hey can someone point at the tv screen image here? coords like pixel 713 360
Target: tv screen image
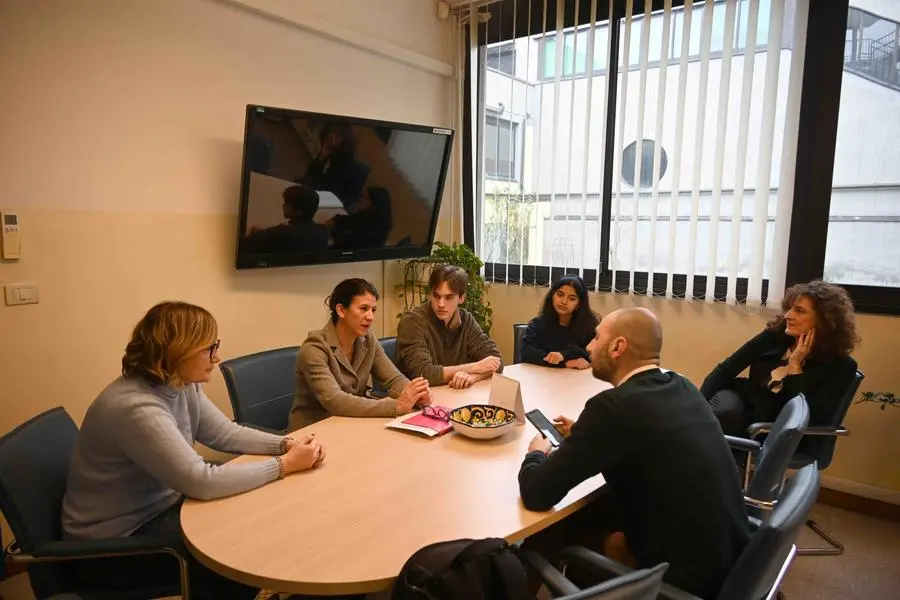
pixel 319 188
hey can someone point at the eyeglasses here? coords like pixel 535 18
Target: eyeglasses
pixel 214 349
pixel 436 413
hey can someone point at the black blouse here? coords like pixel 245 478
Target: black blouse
pixel 541 338
pixel 823 382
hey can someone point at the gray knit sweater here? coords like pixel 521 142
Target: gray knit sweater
pixel 134 457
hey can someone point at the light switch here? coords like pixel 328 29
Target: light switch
pixel 26 292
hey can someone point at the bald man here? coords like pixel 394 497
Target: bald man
pixel 672 492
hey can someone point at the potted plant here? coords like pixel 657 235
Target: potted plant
pixel 883 398
pixel 413 290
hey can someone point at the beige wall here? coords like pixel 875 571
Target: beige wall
pixel 122 123
pixel 121 136
pixel 698 335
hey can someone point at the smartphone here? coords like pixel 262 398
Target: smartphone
pixel 543 424
pixel 377 393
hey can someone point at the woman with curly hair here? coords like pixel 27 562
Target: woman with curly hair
pixel 805 349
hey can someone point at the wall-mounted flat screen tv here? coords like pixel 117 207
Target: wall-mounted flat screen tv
pixel 319 188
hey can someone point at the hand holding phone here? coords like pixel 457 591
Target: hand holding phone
pixel 563 425
pixel 544 426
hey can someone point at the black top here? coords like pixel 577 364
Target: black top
pixel 823 382
pixel 542 337
pixel 670 472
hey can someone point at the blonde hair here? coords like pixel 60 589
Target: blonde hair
pixel 169 333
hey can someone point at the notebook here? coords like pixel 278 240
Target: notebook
pixel 419 423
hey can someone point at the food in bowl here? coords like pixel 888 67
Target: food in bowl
pixel 482 421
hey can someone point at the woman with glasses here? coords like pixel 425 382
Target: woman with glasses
pixel 134 460
pixel 335 362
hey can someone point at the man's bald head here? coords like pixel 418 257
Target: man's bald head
pixel 641 328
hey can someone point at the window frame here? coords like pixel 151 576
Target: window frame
pixel 517 146
pixel 819 110
pixel 503 49
pixel 817 136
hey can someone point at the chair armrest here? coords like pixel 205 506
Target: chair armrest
pixel 670 592
pixel 754 524
pixel 263 428
pixel 593 561
pixel 751 447
pixel 555 581
pixel 83 549
pixel 835 431
pixel 760 504
pixel 758 429
pixel 603 564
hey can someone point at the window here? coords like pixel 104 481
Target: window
pixel 863 243
pixel 501 139
pixel 574 61
pixel 502 58
pixel 566 187
pixel 629 160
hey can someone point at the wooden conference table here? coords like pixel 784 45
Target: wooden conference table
pixel 348 526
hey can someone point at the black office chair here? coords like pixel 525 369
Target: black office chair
pixel 261 388
pixel 642 584
pixel 769 460
pixel 34 469
pixel 817 447
pixel 762 566
pixel 518 333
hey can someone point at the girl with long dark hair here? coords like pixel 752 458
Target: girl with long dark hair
pixel 559 335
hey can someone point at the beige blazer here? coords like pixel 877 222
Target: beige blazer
pixel 329 384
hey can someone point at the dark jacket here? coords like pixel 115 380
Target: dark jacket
pixel 542 337
pixel 670 473
pixel 823 382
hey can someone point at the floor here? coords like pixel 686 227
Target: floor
pixel 869 568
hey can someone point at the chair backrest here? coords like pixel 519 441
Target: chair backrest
pixel 778 449
pixel 758 567
pixel 518 333
pixel 643 584
pixel 261 387
pixel 34 471
pixel 389 344
pixel 821 447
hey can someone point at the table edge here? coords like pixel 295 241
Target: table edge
pixel 371 585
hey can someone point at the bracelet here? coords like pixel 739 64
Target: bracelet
pixel 282 447
pixel 280 467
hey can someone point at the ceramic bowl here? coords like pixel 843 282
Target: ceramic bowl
pixel 482 421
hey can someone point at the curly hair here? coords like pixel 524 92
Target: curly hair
pixel 835 319
pixel 169 333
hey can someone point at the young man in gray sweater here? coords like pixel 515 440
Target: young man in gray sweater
pixel 441 341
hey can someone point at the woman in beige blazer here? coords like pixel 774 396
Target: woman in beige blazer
pixel 335 362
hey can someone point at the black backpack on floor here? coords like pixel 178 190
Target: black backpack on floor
pixel 465 569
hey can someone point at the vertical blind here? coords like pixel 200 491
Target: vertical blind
pixel 656 145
